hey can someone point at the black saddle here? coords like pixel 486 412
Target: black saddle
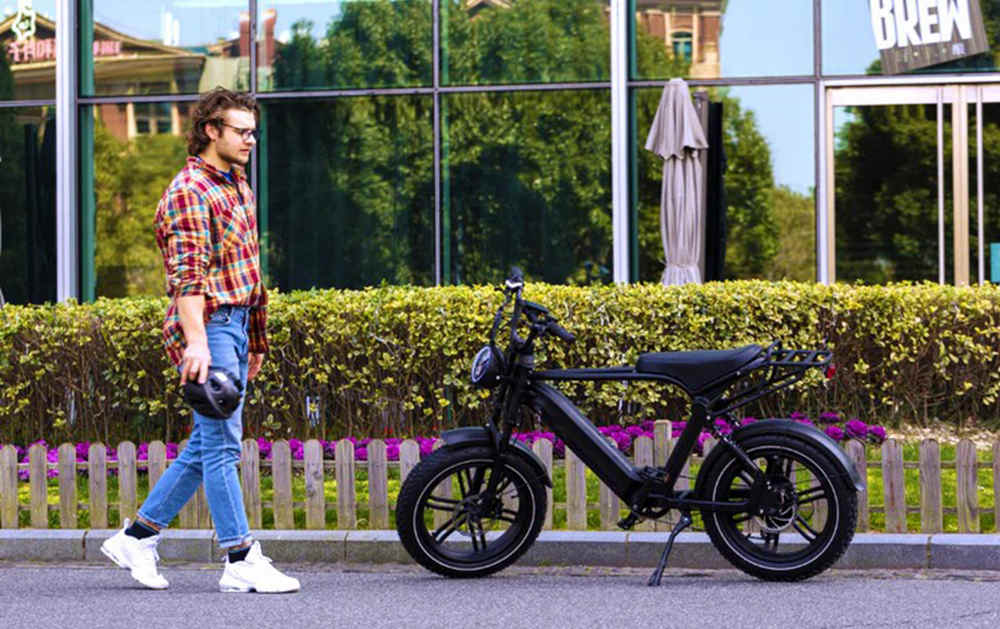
pixel 697 369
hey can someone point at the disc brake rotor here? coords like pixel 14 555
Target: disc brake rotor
pixel 781 516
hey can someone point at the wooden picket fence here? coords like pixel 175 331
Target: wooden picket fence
pixel 344 467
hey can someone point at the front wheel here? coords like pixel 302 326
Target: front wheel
pixel 807 513
pixel 451 524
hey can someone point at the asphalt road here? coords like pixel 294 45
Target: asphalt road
pixel 90 597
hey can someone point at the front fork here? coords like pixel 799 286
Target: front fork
pixel 506 414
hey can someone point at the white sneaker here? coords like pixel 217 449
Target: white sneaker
pixel 255 573
pixel 136 555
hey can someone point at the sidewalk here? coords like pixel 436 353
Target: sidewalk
pixel 605 548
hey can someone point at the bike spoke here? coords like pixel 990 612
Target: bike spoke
pixel 477 534
pixel 449 527
pixel 770 541
pixel 811 494
pixel 464 483
pixel 808 533
pixel 743 517
pixel 441 504
pixel 508 515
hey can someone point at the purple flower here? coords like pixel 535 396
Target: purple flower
pixel 361 454
pixel 835 433
pixel 634 431
pixel 876 434
pixel 624 441
pixel 559 448
pixel 828 417
pixel 856 428
pixel 264 447
pixel 647 425
pixel 798 416
pixel 392 452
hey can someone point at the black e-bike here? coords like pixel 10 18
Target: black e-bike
pixel 778 498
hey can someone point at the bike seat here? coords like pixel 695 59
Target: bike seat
pixel 697 369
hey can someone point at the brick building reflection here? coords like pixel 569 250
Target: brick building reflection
pixel 128 66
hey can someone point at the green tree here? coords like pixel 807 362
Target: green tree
pixel 130 177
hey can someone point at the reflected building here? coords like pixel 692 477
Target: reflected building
pixel 124 65
pixel 689 29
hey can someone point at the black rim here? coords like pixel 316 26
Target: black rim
pixel 456 520
pixel 799 514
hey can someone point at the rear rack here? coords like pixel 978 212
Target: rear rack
pixel 778 369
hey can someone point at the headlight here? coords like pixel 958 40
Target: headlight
pixel 487 367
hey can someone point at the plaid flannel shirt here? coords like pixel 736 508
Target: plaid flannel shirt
pixel 224 264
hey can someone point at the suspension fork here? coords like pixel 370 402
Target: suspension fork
pixel 508 421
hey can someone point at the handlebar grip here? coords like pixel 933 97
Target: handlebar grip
pixel 561 332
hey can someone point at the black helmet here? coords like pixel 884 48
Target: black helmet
pixel 218 397
pixel 487 367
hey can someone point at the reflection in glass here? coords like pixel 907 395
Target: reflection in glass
pixel 991 195
pixel 167 47
pixel 27 205
pixel 27 49
pixel 768 223
pixel 849 41
pixel 709 39
pixel 361 43
pixel 524 41
pixel 138 149
pixel 527 183
pixel 348 190
pixel 885 165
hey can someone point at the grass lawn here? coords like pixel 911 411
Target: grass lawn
pixel 911 476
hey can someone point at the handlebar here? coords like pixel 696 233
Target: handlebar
pixel 541 321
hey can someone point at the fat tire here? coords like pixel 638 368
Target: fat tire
pixel 428 471
pixel 844 492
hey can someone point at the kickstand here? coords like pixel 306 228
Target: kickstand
pixel 682 524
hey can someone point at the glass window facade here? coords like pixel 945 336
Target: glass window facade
pixel 711 39
pixel 344 45
pixel 763 225
pixel 528 183
pixel 347 191
pixel 164 47
pixel 850 46
pixel 27 50
pixel 27 205
pixel 524 41
pixel 137 149
pixel 441 141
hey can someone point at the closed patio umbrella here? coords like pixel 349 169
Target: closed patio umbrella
pixel 677 136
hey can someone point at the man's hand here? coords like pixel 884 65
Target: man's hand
pixel 195 362
pixel 254 363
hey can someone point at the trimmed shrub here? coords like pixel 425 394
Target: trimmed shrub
pixel 393 361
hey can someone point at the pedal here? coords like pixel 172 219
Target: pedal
pixel 628 521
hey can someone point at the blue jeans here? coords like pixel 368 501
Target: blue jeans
pixel 213 450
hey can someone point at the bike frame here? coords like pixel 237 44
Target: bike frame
pixel 649 491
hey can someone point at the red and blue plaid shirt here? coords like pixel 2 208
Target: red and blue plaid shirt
pixel 222 264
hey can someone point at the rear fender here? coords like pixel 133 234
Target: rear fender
pixel 480 436
pixel 796 430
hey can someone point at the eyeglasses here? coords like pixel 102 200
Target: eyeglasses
pixel 245 132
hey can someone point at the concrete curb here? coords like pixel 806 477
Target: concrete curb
pixel 869 551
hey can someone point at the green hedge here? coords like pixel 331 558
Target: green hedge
pixel 394 360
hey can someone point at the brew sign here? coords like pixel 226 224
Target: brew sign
pixel 913 34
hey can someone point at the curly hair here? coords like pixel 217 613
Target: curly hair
pixel 209 110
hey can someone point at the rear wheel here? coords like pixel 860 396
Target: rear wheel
pixel 807 514
pixel 450 524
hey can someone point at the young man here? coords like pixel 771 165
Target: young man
pixel 206 229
